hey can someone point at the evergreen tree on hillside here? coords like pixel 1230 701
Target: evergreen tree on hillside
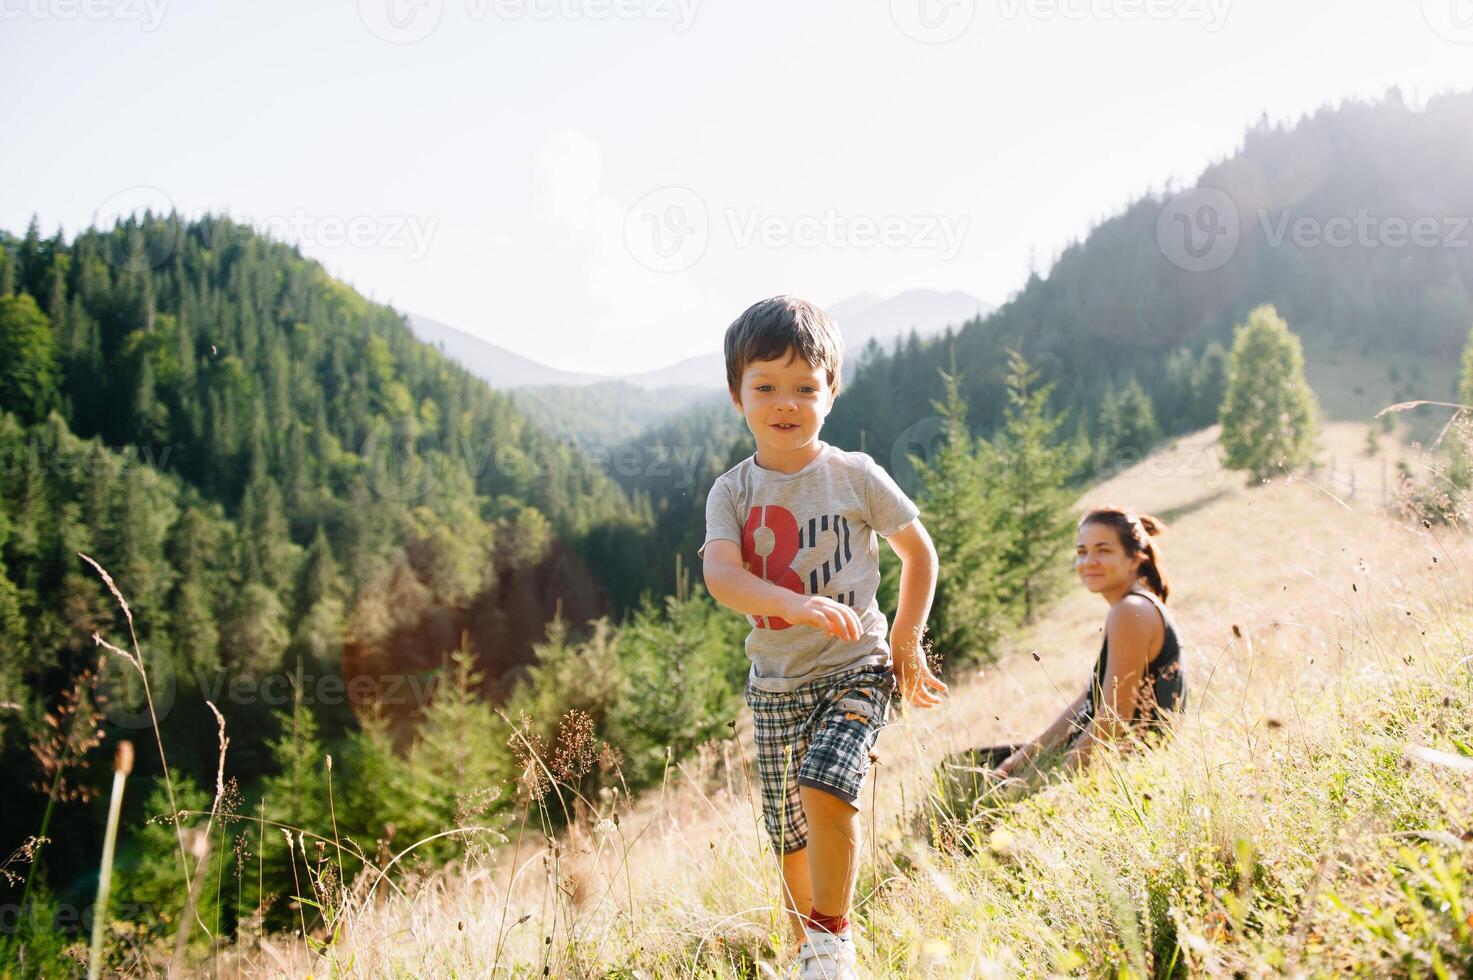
pixel 682 670
pixel 28 370
pixel 1269 413
pixel 457 764
pixel 296 794
pixel 1033 469
pixel 7 272
pixel 1127 425
pixel 1209 386
pixel 962 512
pixel 150 882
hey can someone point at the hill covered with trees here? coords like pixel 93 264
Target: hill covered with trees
pixel 1354 223
pixel 279 477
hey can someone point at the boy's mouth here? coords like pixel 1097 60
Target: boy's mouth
pixel 784 426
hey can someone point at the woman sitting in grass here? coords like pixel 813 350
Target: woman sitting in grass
pixel 1138 675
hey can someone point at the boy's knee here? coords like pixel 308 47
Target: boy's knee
pixel 822 800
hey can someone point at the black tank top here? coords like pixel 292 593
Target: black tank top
pixel 1163 687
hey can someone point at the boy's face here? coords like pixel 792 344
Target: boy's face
pixel 785 401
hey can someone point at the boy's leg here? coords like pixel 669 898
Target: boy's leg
pixel 781 742
pixel 856 708
pixel 797 891
pixel 833 850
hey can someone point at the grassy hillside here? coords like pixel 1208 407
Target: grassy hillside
pixel 1311 815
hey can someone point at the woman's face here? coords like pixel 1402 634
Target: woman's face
pixel 1100 559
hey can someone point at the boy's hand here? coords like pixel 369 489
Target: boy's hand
pixel 834 618
pixel 916 682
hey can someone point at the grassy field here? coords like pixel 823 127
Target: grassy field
pixel 1312 816
pixel 1353 387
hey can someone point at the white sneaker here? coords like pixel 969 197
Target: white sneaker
pixel 828 957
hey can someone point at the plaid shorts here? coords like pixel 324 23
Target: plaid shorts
pixel 819 735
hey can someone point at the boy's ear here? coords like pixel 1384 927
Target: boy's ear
pixel 736 401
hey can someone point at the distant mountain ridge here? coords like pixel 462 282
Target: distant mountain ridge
pixel 861 318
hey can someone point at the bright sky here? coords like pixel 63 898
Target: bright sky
pixel 603 185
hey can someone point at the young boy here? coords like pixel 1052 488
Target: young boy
pixel 790 542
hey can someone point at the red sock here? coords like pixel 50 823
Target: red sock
pixel 829 923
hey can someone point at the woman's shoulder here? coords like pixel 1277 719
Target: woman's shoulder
pixel 1135 614
pixel 1136 606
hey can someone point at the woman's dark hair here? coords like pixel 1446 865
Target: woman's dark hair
pixel 1135 532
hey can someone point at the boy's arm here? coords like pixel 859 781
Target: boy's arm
pixel 736 588
pixel 918 571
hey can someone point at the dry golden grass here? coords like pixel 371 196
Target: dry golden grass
pixel 1324 641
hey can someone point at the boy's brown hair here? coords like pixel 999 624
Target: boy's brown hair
pixel 772 327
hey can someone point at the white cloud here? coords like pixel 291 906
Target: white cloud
pixel 566 289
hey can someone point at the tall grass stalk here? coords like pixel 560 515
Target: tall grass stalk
pixel 122 766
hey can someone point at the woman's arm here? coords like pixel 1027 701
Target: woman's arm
pixel 1061 728
pixel 1131 631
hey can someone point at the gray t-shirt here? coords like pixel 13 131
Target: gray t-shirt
pixel 813 532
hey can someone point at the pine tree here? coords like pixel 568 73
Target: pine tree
pixel 295 797
pixel 1127 424
pixel 961 516
pixel 1209 385
pixel 1269 413
pixel 457 759
pixel 1033 468
pixel 254 636
pixel 28 368
pixel 150 887
pixel 297 793
pixel 7 272
pixel 377 782
pixel 680 666
pixel 269 555
pixel 150 417
pixel 567 674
